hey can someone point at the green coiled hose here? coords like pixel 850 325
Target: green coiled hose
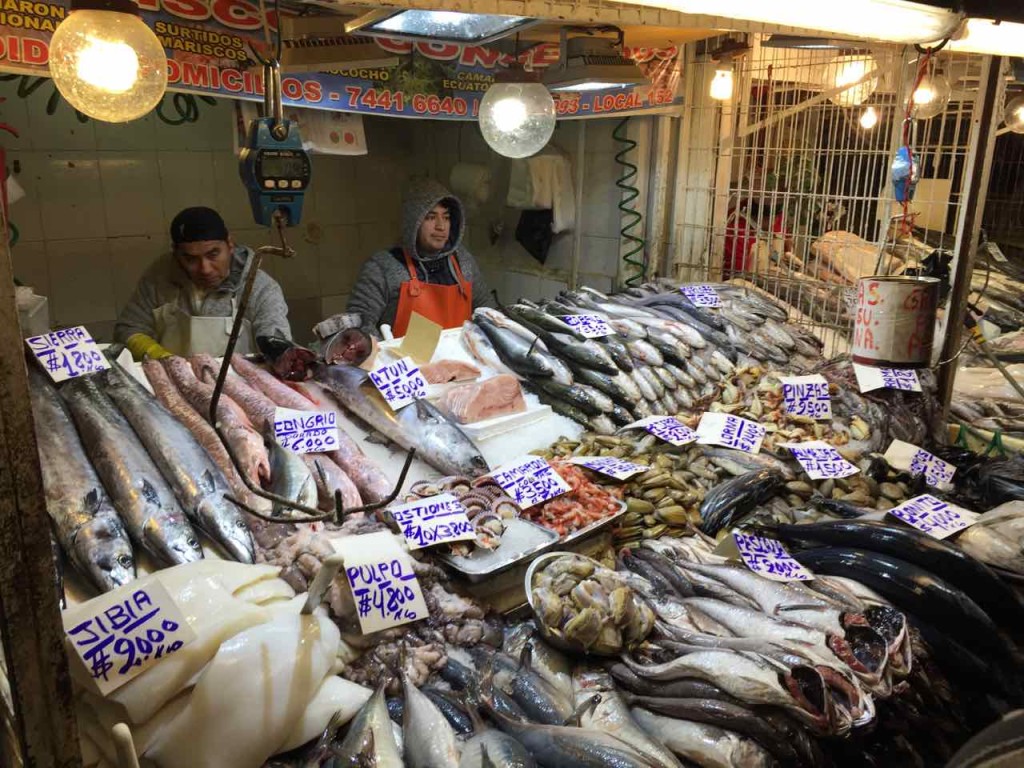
pixel 635 245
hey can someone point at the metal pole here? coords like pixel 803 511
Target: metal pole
pixel 972 207
pixel 577 237
pixel 30 624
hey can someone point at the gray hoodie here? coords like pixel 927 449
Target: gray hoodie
pixel 166 282
pixel 375 293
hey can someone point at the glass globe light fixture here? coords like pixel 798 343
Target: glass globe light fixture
pixel 721 83
pixel 868 118
pixel 931 96
pixel 517 114
pixel 1013 115
pixel 846 70
pixel 106 62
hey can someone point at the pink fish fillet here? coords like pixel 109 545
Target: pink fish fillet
pixel 172 399
pixel 260 410
pixel 245 441
pixel 372 484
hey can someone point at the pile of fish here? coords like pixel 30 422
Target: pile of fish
pixel 664 356
pixel 123 476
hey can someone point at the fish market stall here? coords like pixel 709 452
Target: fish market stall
pixel 704 544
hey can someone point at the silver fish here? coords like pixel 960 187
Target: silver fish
pixel 522 355
pixel 501 320
pixel 644 385
pixel 144 501
pixel 611 715
pixel 654 381
pixel 645 353
pixel 610 385
pixel 666 378
pixel 370 742
pixel 290 476
pixel 428 738
pixel 704 744
pixel 602 425
pixel 437 441
pixel 495 749
pixel 480 347
pixel 197 482
pixel 85 521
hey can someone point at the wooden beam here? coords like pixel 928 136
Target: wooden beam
pixel 30 623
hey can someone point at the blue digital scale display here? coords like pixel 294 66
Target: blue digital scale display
pixel 276 171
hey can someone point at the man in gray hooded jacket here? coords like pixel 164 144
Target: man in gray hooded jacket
pixel 186 302
pixel 430 272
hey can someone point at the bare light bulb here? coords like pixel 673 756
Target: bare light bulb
pixel 721 84
pixel 868 119
pixel 1013 115
pixel 847 70
pixel 517 115
pixel 931 96
pixel 107 63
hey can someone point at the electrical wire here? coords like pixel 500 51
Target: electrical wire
pixel 635 244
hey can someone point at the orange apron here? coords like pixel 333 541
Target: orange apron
pixel 447 305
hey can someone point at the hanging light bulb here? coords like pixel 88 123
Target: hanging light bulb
pixel 846 70
pixel 931 96
pixel 517 114
pixel 868 119
pixel 1013 115
pixel 106 62
pixel 721 84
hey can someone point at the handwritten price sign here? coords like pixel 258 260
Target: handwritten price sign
pixel 702 295
pixel 807 396
pixel 386 591
pixel 434 520
pixel 306 431
pixel 610 466
pixel 399 383
pixel 667 428
pixel 590 326
pixel 870 378
pixel 730 431
pixel 67 354
pixel 530 481
pixel 119 635
pixel 821 460
pixel 769 558
pixel 917 461
pixel 934 516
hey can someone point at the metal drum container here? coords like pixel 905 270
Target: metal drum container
pixel 895 322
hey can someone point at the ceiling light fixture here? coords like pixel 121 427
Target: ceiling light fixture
pixel 868 118
pixel 931 96
pixel 589 63
pixel 1013 115
pixel 721 83
pixel 465 28
pixel 998 38
pixel 517 114
pixel 106 62
pixel 892 20
pixel 851 71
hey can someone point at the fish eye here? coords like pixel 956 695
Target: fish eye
pixel 193 542
pixel 124 561
pixel 241 525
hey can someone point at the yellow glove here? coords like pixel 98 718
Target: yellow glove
pixel 142 346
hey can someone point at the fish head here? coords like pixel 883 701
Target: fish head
pixel 105 554
pixel 227 527
pixel 172 540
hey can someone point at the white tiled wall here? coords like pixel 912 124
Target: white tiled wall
pixel 100 198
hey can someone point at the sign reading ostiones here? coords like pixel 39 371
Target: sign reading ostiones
pixel 433 520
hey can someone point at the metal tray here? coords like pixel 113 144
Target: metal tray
pixel 499 563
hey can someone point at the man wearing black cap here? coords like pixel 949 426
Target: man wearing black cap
pixel 186 302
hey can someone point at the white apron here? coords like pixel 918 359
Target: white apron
pixel 185 334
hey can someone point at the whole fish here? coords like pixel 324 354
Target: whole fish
pixel 200 428
pixel 556 746
pixel 588 399
pixel 587 352
pixel 495 749
pixel 501 320
pixel 602 425
pixel 771 597
pixel 686 688
pixel 738 462
pixel 521 355
pixel 622 416
pixel 563 408
pixel 548 662
pixel 145 503
pixel 540 700
pixel 197 482
pixel 84 519
pixel 479 346
pixel 290 476
pixel 370 742
pixel 542 320
pixel 611 715
pixel 729 501
pixel 666 378
pixel 997 538
pixel 936 555
pixel 645 353
pixel 451 708
pixel 428 739
pixel 655 383
pixel 671 347
pixel 238 431
pixel 618 351
pixel 916 591
pixel 681 376
pixel 613 386
pixel 644 385
pixel 704 744
pixel 437 441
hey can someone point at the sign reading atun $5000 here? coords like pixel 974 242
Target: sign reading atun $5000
pixel 208 46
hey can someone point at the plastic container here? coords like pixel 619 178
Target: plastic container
pixel 895 321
